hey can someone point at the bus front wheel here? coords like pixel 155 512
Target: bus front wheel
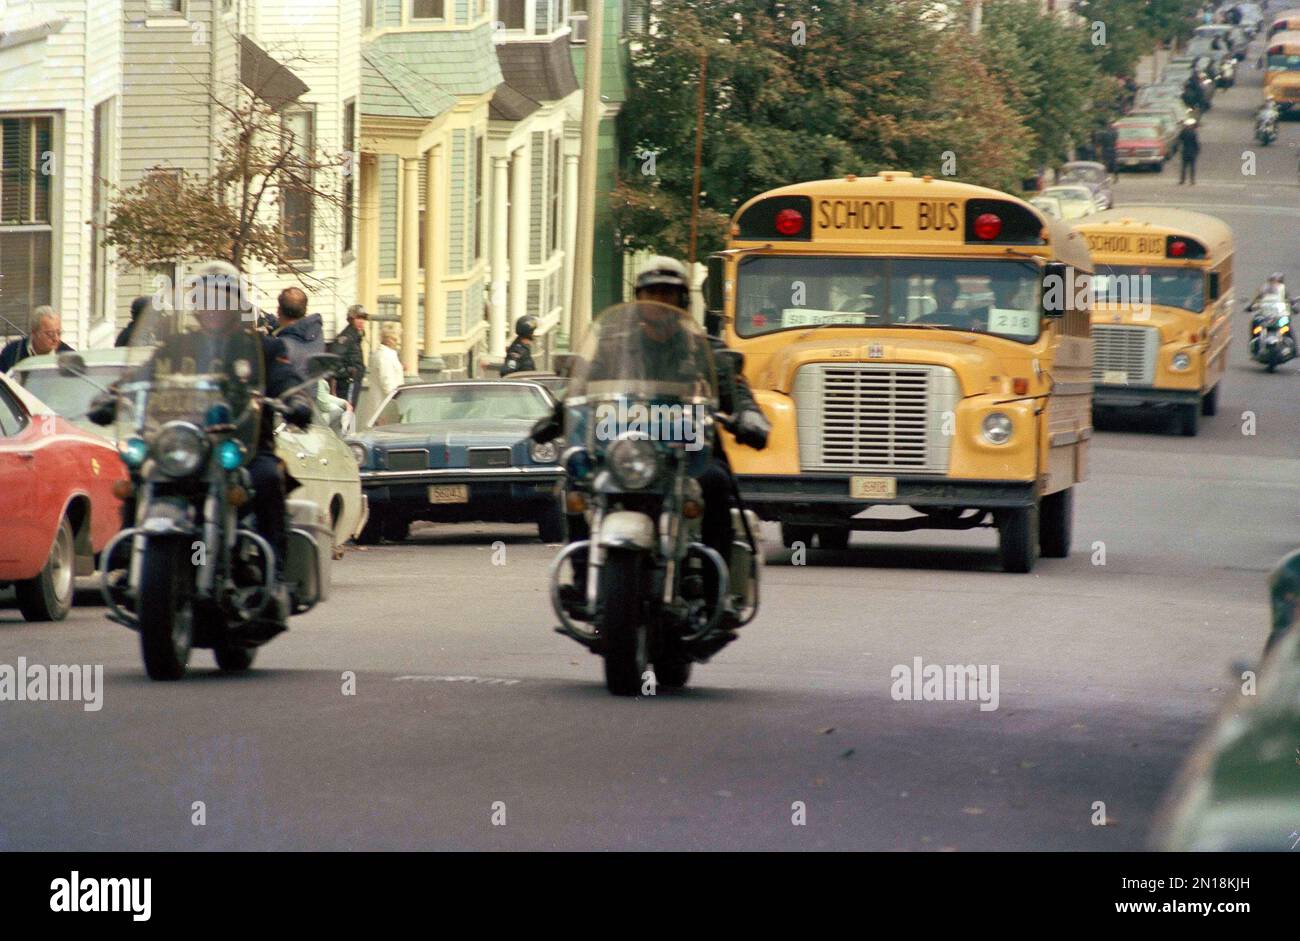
pixel 1055 523
pixel 1018 538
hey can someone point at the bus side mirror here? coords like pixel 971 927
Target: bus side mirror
pixel 1214 286
pixel 714 298
pixel 1056 287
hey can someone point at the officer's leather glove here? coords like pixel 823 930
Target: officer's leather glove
pixel 102 409
pixel 752 429
pixel 299 414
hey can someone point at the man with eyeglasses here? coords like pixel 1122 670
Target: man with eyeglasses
pixel 46 329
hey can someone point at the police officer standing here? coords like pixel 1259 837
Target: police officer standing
pixel 519 355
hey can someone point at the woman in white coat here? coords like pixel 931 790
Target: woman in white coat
pixel 386 366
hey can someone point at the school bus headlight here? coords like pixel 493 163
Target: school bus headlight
pixel 1181 361
pixel 997 428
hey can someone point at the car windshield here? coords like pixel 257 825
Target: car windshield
pixel 1084 175
pixel 1001 298
pixel 1138 132
pixel 1142 285
pixel 68 396
pixel 468 402
pixel 1071 195
pixel 1289 62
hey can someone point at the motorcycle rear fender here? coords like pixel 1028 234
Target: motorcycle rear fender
pixel 625 529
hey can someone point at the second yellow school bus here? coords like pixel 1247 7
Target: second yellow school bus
pixel 1282 70
pixel 1162 311
pixel 898 336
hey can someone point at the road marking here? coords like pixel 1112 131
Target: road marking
pixel 477 680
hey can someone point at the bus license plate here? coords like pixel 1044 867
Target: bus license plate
pixel 1114 377
pixel 449 493
pixel 873 488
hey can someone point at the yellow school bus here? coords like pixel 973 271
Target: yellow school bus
pixel 1286 21
pixel 1282 69
pixel 1162 309
pixel 898 335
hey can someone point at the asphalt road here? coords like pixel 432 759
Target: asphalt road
pixel 464 698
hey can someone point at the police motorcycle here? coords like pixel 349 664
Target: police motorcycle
pixel 1272 340
pixel 641 418
pixel 1266 124
pixel 191 572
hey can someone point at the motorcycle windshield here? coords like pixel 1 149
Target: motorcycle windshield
pixel 644 350
pixel 1273 311
pixel 208 376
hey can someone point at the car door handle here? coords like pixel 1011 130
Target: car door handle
pixel 26 455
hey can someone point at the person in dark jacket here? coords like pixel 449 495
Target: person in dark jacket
pixel 303 334
pixel 347 346
pixel 45 335
pixel 140 331
pixel 1190 146
pixel 519 355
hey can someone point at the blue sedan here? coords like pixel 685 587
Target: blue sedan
pixel 460 452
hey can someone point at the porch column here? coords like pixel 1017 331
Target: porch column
pixel 435 314
pixel 570 240
pixel 500 254
pixel 368 246
pixel 410 267
pixel 521 199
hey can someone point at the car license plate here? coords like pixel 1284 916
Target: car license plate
pixel 449 493
pixel 1114 377
pixel 873 488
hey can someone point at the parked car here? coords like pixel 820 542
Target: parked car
pixel 57 506
pixel 1048 205
pixel 1148 95
pixel 1092 175
pixel 460 452
pixel 1077 200
pixel 1168 120
pixel 1141 143
pixel 1179 73
pixel 317 456
pixel 552 382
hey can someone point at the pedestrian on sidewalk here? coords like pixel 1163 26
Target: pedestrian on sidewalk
pixel 386 364
pixel 1190 145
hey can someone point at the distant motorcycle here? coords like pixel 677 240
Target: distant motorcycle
pixel 1266 128
pixel 1272 341
pixel 646 588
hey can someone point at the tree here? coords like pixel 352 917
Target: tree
pixel 234 214
pixel 801 91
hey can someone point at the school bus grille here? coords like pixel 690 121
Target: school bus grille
pixel 1120 348
pixel 875 418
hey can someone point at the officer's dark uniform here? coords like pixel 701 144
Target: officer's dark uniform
pixel 519 358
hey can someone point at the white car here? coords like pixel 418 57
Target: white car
pixel 1076 201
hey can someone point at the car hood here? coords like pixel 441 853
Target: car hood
pixel 450 443
pixel 1141 142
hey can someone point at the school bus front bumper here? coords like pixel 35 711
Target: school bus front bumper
pixel 1116 396
pixel 783 496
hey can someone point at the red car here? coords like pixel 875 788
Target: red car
pixel 57 507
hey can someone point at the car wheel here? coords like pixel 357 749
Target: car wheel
pixel 372 532
pixel 396 529
pixel 48 596
pixel 792 533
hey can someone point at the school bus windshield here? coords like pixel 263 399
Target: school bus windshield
pixel 999 298
pixel 1142 285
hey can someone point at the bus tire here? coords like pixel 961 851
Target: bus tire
pixel 1189 420
pixel 792 533
pixel 1210 404
pixel 1018 538
pixel 1056 524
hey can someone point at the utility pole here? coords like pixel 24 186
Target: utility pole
pixel 976 16
pixel 699 163
pixel 585 239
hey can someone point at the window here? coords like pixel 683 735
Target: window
pixel 167 6
pixel 511 13
pixel 296 185
pixel 26 256
pixel 554 233
pixel 350 177
pixel 478 198
pixel 368 14
pixel 100 170
pixel 13 417
pixel 577 6
pixel 427 9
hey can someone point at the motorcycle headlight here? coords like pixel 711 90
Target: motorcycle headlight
pixel 358 453
pixel 997 428
pixel 180 449
pixel 634 462
pixel 547 453
pixel 231 453
pixel 1181 361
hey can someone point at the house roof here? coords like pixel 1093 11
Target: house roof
pixel 510 105
pixel 542 70
pixel 390 89
pixel 459 62
pixel 266 78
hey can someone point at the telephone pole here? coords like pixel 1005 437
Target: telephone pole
pixel 585 239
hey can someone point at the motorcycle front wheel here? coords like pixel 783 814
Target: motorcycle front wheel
pixel 166 609
pixel 621 624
